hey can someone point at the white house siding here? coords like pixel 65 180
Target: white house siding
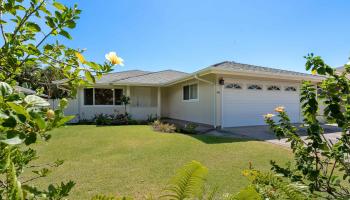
pixel 201 111
pixel 88 112
pixel 72 108
pixel 143 102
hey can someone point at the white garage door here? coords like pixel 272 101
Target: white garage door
pixel 244 104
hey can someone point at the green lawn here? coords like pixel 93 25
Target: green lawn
pixel 134 160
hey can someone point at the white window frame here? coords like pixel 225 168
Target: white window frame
pixel 93 97
pixel 182 92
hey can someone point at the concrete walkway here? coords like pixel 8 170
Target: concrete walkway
pixel 265 134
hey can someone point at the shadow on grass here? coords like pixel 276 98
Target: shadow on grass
pixel 211 139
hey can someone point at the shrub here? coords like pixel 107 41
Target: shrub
pixel 163 127
pixel 103 119
pixel 151 118
pixel 190 128
pixel 320 164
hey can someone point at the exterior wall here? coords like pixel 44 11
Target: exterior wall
pixel 143 102
pixel 72 109
pixel 200 111
pixel 88 112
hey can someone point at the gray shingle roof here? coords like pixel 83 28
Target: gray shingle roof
pixel 116 76
pixel 152 78
pixel 27 91
pixel 239 67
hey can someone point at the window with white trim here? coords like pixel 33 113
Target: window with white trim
pixel 273 88
pixel 190 92
pixel 89 96
pixel 234 86
pixel 290 89
pixel 102 96
pixel 254 87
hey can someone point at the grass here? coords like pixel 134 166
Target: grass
pixel 135 161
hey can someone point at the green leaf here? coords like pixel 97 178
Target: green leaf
pixel 36 101
pixel 89 76
pixel 33 26
pixel 18 109
pixel 15 190
pixel 3 115
pixel 64 120
pixel 50 22
pixel 94 66
pixel 65 34
pixel 10 122
pixel 30 139
pixel 188 182
pixel 249 193
pixel 38 119
pixel 5 89
pixel 71 24
pixel 12 141
pixel 59 6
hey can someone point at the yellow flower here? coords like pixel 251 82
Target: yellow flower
pixel 269 116
pixel 279 109
pixel 245 173
pixel 80 57
pixel 114 59
pixel 313 72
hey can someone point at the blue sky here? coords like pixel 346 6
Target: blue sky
pixel 188 35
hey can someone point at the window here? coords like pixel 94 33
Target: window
pixel 190 92
pixel 118 94
pixel 290 89
pixel 100 96
pixel 234 86
pixel 103 96
pixel 88 96
pixel 273 88
pixel 254 87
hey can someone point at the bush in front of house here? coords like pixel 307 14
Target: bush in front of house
pixel 163 127
pixel 189 128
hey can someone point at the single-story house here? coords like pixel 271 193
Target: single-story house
pixel 225 94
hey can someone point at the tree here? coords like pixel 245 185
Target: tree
pixel 25 27
pixel 320 164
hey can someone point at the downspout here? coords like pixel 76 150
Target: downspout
pixel 214 104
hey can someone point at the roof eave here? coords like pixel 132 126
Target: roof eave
pixel 267 74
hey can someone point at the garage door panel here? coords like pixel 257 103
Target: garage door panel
pixel 245 107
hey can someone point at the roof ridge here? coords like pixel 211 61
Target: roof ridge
pixel 130 70
pixel 173 70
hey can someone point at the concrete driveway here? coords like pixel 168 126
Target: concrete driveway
pixel 265 134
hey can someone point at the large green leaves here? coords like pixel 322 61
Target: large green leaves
pixel 15 189
pixel 12 141
pixel 33 27
pixel 34 100
pixel 188 182
pixel 5 89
